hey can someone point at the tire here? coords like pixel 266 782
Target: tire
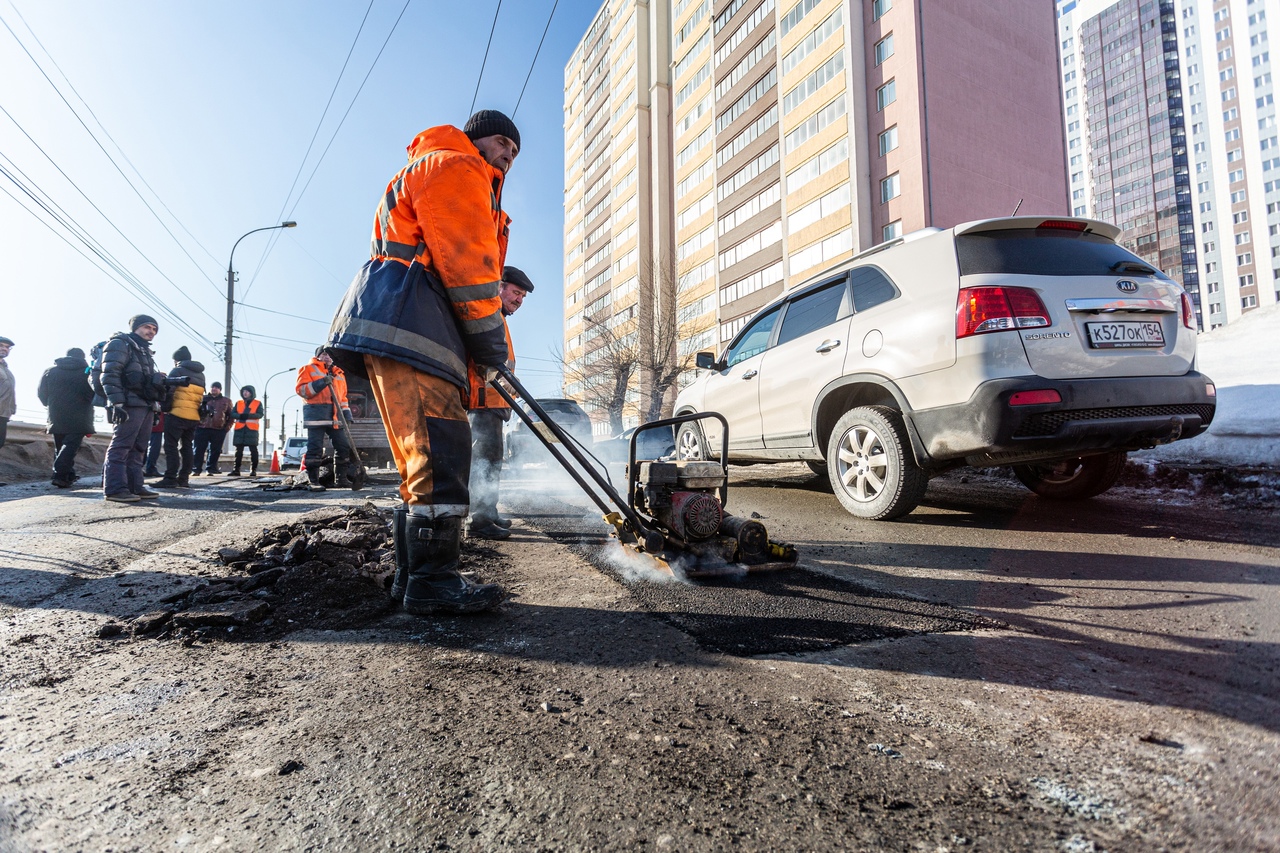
pixel 1074 479
pixel 817 467
pixel 690 445
pixel 871 467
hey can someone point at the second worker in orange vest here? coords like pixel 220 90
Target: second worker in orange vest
pixel 245 414
pixel 487 413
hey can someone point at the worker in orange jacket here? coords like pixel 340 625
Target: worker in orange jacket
pixel 326 412
pixel 487 412
pixel 426 300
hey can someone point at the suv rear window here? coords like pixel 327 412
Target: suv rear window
pixel 1045 251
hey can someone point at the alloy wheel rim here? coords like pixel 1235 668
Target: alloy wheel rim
pixel 689 447
pixel 862 464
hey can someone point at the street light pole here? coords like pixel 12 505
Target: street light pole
pixel 231 299
pixel 266 412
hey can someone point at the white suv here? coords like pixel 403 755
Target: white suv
pixel 1025 341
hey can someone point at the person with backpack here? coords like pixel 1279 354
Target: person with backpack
pixel 215 420
pixel 182 416
pixel 65 390
pixel 128 381
pixel 246 413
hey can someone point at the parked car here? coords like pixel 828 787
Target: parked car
pixel 1025 341
pixel 294 449
pixel 522 445
pixel 653 444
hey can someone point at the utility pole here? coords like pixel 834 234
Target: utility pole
pixel 231 301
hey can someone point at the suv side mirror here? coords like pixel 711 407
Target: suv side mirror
pixel 705 361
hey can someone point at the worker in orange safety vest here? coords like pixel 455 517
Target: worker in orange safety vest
pixel 326 412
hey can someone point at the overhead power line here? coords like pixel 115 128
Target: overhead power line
pixel 107 133
pixel 106 153
pixel 535 58
pixel 485 61
pixel 275 237
pixel 131 287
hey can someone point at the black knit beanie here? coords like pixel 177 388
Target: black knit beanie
pixel 75 352
pixel 141 320
pixel 182 354
pixel 516 276
pixel 491 123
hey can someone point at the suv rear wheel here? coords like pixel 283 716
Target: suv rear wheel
pixel 870 465
pixel 690 445
pixel 1072 479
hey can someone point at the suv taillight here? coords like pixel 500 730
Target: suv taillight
pixel 1188 312
pixel 996 309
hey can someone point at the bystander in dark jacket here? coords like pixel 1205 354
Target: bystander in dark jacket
pixel 212 431
pixel 65 390
pixel 8 396
pixel 132 387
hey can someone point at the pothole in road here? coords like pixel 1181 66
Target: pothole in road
pixel 790 611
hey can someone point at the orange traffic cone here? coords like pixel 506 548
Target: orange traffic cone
pixel 302 466
pixel 275 462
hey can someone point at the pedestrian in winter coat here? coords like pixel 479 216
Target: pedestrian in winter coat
pixel 8 395
pixel 182 416
pixel 212 431
pixel 425 301
pixel 65 390
pixel 246 414
pixel 154 448
pixel 325 412
pixel 133 388
pixel 487 411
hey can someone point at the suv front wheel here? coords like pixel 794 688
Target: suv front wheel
pixel 870 465
pixel 1072 479
pixel 690 445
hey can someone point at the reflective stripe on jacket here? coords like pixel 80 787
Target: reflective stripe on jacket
pixel 428 296
pixel 251 410
pixel 319 409
pixel 482 396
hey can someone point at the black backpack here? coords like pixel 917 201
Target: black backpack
pixel 95 374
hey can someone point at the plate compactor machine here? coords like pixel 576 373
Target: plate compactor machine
pixel 673 514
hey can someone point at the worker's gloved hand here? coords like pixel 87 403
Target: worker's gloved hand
pixel 323 382
pixel 346 415
pixel 117 415
pixel 490 373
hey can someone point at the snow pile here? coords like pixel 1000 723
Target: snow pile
pixel 1243 360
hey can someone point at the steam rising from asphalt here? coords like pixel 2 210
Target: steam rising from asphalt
pixel 546 487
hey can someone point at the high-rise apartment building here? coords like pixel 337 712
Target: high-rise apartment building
pixel 618 218
pixel 1171 134
pixel 804 131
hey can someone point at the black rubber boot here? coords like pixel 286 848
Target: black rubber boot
pixel 434 583
pixel 402 553
pixel 503 522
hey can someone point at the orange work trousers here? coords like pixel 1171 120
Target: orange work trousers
pixel 426 422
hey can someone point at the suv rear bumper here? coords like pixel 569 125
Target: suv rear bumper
pixel 1095 416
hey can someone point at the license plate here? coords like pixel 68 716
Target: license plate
pixel 1125 335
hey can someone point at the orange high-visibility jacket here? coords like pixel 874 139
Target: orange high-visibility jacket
pixel 319 409
pixel 253 409
pixel 482 396
pixel 428 296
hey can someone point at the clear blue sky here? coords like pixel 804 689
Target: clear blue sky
pixel 215 103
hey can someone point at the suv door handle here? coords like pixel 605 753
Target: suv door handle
pixel 827 346
pixel 750 374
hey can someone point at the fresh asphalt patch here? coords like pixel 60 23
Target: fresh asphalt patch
pixel 787 611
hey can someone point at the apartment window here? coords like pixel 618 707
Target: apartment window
pixel 1210 247
pixel 1240 216
pixel 886 95
pixel 889 188
pixel 892 231
pixel 1248 301
pixel 1234 154
pixel 1266 101
pixel 1238 197
pixel 1226 74
pixel 888 140
pixel 1233 134
pixel 1242 238
pixel 1231 114
pixel 1206 227
pixel 1247 281
pixel 1244 259
pixel 1202 187
pixel 884 48
pixel 879 7
pixel 1229 94
pixel 1235 176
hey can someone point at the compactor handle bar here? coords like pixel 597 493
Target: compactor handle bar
pixel 633 470
pixel 639 528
